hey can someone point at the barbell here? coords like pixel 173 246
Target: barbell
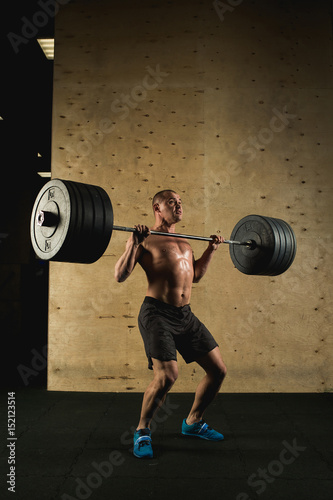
pixel 73 222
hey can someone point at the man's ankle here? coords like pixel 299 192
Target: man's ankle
pixel 192 420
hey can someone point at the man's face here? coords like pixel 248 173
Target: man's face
pixel 171 208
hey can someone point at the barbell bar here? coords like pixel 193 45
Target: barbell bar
pixel 185 236
pixel 73 222
pixel 48 219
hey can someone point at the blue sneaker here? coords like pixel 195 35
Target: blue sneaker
pixel 201 430
pixel 142 444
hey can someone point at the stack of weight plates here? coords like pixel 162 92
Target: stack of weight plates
pixel 82 224
pixel 274 246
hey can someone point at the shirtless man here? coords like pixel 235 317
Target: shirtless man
pixel 166 321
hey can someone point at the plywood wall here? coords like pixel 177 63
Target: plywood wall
pixel 230 104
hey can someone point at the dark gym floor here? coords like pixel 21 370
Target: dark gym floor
pixel 77 446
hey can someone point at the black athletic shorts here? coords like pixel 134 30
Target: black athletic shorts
pixel 166 329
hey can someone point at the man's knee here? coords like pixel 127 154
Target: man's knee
pixel 219 372
pixel 170 376
pixel 223 371
pixel 214 366
pixel 167 375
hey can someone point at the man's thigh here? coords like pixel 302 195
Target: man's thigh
pixel 165 369
pixel 212 362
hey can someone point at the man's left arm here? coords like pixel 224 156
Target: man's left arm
pixel 201 265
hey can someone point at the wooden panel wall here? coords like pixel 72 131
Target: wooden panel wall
pixel 231 104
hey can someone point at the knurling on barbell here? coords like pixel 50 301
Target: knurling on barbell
pixel 73 222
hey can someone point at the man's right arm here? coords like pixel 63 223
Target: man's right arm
pixel 132 254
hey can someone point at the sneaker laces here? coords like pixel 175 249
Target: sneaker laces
pixel 144 438
pixel 143 442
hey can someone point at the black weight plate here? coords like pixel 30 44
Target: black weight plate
pixel 283 249
pixel 103 216
pixel 95 229
pixel 289 249
pixel 292 245
pixel 95 222
pixel 81 244
pixel 293 239
pixel 295 244
pixel 253 260
pixel 281 246
pixel 92 225
pixel 103 221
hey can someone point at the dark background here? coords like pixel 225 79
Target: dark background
pixel 25 132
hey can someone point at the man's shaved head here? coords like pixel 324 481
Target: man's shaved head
pixel 161 195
